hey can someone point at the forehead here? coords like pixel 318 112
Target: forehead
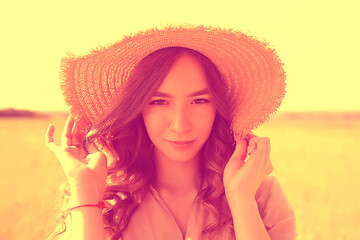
pixel 186 75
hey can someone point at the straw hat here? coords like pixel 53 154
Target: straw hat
pixel 253 71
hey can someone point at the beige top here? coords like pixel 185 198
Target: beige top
pixel 152 220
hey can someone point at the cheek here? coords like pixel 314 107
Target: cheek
pixel 154 122
pixel 204 120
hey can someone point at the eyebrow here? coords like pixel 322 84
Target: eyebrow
pixel 197 93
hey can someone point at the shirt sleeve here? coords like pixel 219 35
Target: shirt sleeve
pixel 275 210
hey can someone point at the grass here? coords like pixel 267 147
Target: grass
pixel 315 157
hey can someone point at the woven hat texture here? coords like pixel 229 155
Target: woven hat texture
pixel 252 69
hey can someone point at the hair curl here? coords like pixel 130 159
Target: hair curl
pixel 122 131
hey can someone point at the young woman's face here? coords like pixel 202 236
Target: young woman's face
pixel 180 110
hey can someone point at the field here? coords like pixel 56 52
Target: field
pixel 316 158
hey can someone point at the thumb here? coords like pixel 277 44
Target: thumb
pixel 241 147
pixel 240 152
pixel 92 148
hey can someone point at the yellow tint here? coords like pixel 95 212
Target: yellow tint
pixel 317 41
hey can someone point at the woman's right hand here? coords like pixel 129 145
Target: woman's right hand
pixel 84 167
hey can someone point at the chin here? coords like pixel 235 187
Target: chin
pixel 181 158
pixel 180 155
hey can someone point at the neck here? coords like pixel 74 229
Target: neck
pixel 176 177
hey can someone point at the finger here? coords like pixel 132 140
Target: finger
pixel 236 160
pixel 265 145
pixel 240 150
pixel 261 143
pixel 268 146
pixel 268 160
pixel 75 138
pixel 244 139
pixel 49 133
pixel 253 144
pixel 264 151
pixel 49 140
pixel 270 168
pixel 259 153
pixel 251 135
pixel 258 149
pixel 55 149
pixel 66 139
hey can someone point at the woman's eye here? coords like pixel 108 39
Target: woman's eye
pixel 157 102
pixel 164 102
pixel 201 100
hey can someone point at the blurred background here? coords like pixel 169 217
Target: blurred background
pixel 314 135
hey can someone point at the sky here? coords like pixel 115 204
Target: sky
pixel 318 41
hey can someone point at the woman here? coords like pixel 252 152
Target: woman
pixel 162 135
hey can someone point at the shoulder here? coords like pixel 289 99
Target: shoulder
pixel 270 187
pixel 270 195
pixel 267 188
pixel 267 184
pixel 275 209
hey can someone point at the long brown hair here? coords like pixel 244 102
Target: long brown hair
pixel 122 131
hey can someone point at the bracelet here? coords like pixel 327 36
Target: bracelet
pixel 101 205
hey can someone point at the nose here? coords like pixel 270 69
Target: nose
pixel 180 122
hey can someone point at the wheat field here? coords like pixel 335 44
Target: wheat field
pixel 316 158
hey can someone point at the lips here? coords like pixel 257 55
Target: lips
pixel 181 142
pixel 181 145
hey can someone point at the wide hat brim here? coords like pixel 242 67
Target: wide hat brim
pixel 253 70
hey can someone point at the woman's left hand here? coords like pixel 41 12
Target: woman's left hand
pixel 243 178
